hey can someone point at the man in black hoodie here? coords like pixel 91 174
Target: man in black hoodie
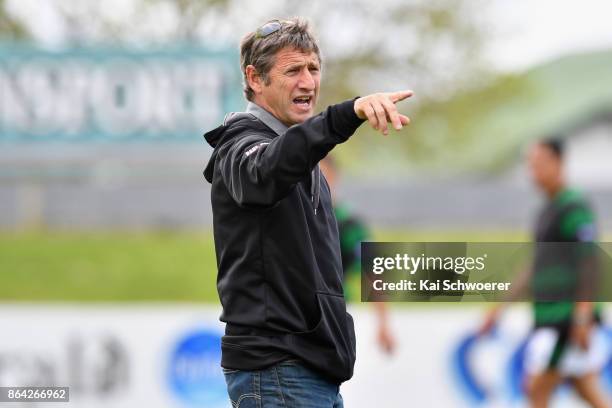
pixel 289 341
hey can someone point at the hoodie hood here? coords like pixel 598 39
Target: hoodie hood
pixel 222 134
pixel 213 138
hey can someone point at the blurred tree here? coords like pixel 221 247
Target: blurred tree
pixel 94 22
pixel 190 15
pixel 87 22
pixel 10 27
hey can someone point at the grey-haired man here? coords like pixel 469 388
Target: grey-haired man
pixel 289 341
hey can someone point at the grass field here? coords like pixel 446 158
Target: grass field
pixel 130 266
pixel 112 266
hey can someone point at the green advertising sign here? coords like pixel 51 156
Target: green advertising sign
pixel 115 95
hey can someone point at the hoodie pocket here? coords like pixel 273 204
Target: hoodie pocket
pixel 330 346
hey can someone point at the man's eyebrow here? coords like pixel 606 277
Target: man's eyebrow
pixel 294 65
pixel 309 64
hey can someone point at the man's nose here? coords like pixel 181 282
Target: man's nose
pixel 306 81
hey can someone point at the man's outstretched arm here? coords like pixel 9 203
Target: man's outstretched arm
pixel 259 171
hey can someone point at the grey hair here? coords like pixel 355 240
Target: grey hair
pixel 261 51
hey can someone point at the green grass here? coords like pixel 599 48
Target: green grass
pixel 109 266
pixel 131 266
pixel 449 236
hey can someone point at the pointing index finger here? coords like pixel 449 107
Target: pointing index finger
pixel 400 95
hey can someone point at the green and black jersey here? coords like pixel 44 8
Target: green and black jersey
pixel 352 232
pixel 567 219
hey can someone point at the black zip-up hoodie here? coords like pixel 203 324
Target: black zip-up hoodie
pixel 276 239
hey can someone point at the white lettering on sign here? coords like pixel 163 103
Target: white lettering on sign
pixel 116 99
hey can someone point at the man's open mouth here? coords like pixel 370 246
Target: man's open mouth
pixel 303 101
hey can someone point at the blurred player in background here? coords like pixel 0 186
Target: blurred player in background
pixel 352 232
pixel 563 345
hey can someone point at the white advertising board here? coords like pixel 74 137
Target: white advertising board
pixel 164 355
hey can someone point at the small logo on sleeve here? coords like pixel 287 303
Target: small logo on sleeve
pixel 255 148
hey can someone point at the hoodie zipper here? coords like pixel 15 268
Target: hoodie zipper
pixel 315 187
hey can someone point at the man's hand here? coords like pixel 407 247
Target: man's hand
pixel 386 341
pixel 490 321
pixel 379 108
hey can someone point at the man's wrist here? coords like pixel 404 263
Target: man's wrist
pixel 346 120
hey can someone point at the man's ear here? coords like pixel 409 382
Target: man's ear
pixel 254 79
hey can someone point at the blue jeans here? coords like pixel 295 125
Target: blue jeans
pixel 285 385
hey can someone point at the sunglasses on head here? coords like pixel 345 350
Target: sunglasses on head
pixel 269 28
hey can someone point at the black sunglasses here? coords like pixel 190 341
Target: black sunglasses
pixel 268 28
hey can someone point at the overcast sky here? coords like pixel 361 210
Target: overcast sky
pixel 525 32
pixel 533 31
